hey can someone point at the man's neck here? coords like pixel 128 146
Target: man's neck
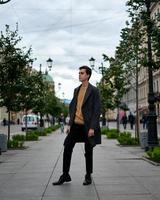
pixel 85 83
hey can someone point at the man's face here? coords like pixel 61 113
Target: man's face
pixel 83 76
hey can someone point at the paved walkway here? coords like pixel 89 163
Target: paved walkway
pixel 120 173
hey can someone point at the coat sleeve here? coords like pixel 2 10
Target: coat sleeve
pixel 71 109
pixel 96 110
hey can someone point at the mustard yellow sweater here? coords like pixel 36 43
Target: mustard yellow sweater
pixel 79 116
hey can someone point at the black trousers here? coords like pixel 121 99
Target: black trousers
pixel 77 134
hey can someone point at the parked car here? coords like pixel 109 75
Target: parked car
pixel 33 121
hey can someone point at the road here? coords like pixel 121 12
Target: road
pixel 15 129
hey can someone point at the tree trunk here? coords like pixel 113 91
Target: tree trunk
pixel 26 128
pixel 118 128
pixel 9 130
pixel 137 100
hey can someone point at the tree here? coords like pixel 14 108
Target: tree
pixel 114 84
pixel 151 63
pixel 137 10
pixel 132 54
pixel 13 61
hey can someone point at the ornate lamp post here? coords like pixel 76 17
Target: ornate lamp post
pixel 92 63
pixel 101 71
pixel 30 65
pixel 4 1
pixel 152 117
pixel 49 63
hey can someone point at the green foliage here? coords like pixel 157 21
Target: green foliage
pixel 48 130
pixel 19 137
pixel 104 131
pixel 154 154
pixel 137 13
pixel 114 83
pixel 39 132
pixel 55 127
pixel 126 139
pixel 42 132
pixel 12 67
pixel 15 144
pixel 30 90
pixel 112 134
pixel 31 136
pixel 17 141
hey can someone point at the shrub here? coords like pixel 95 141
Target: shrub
pixel 48 130
pixel 154 154
pixel 31 136
pixel 19 137
pixel 104 131
pixel 112 133
pixel 15 144
pixel 40 132
pixel 55 127
pixel 126 139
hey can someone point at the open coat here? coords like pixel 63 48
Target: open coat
pixel 90 110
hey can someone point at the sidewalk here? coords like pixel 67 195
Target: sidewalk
pixel 120 173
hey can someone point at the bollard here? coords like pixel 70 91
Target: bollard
pixel 143 137
pixel 3 142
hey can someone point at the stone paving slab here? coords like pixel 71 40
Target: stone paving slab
pixel 120 173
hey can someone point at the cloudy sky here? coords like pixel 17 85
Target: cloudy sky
pixel 69 32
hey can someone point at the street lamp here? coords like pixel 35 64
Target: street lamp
pixel 152 117
pixel 59 86
pixel 30 65
pixel 49 63
pixel 101 71
pixel 92 62
pixel 4 1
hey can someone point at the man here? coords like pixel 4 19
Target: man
pixel 84 111
pixel 62 122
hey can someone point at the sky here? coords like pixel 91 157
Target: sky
pixel 70 32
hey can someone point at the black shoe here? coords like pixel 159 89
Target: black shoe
pixel 63 178
pixel 87 180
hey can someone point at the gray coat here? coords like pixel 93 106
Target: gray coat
pixel 90 110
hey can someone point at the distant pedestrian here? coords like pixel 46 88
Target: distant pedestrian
pixel 53 120
pixel 18 121
pixel 131 120
pixel 124 121
pixel 145 120
pixel 67 120
pixel 4 122
pixel 62 122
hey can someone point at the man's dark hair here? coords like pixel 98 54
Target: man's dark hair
pixel 88 70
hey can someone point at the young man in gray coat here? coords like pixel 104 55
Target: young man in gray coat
pixel 84 111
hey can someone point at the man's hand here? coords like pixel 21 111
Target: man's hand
pixel 68 129
pixel 91 132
